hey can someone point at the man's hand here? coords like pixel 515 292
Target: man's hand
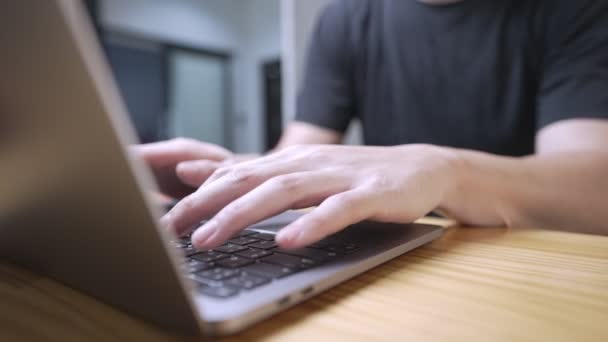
pixel 181 165
pixel 349 183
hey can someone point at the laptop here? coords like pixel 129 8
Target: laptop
pixel 75 206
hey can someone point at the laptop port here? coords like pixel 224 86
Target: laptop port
pixel 307 291
pixel 283 301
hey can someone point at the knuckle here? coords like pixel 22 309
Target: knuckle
pixel 229 213
pixel 338 201
pixel 343 200
pixel 241 176
pixel 233 209
pixel 286 183
pixel 185 205
pixel 380 181
pixel 220 171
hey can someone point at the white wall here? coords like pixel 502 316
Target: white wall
pixel 248 29
pixel 211 23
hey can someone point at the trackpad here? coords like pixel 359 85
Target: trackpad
pixel 275 223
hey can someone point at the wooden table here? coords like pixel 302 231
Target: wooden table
pixel 474 284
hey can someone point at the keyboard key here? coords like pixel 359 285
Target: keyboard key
pixel 218 291
pixel 210 256
pixel 262 244
pixel 243 240
pixel 189 250
pixel 254 253
pixel 234 262
pixel 246 281
pixel 267 270
pixel 263 236
pixel 289 261
pixel 179 244
pixel 184 239
pixel 245 233
pixel 204 281
pixel 191 269
pixel 311 253
pixel 230 248
pixel 193 265
pixel 320 244
pixel 350 247
pixel 346 248
pixel 218 273
pixel 306 263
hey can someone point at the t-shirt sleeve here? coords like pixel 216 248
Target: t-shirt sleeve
pixel 574 80
pixel 326 95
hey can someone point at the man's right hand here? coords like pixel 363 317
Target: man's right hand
pixel 181 165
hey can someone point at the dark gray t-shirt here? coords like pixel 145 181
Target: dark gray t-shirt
pixel 479 74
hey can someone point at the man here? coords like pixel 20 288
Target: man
pixel 492 112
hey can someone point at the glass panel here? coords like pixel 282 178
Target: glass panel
pixel 197 96
pixel 138 70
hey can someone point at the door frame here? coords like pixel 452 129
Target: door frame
pixel 167 47
pixel 265 66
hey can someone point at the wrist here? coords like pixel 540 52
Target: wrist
pixel 477 192
pixel 453 172
pixel 445 165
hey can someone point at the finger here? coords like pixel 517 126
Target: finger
pixel 335 213
pixel 270 160
pixel 209 199
pixel 234 182
pixel 272 197
pixel 177 150
pixel 195 172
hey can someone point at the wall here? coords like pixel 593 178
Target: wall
pixel 210 23
pixel 248 29
pixel 253 30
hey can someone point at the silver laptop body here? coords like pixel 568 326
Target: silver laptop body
pixel 76 207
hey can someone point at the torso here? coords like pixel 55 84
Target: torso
pixel 464 75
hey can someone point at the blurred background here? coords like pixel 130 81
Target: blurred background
pixel 221 71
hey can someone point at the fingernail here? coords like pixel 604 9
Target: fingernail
pixel 201 235
pixel 288 236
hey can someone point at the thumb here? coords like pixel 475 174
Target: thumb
pixel 195 172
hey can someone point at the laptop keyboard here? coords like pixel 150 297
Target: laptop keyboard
pixel 252 259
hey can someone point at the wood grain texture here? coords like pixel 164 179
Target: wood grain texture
pixel 473 284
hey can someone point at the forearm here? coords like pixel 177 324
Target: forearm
pixel 563 190
pixel 296 133
pixel 302 133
